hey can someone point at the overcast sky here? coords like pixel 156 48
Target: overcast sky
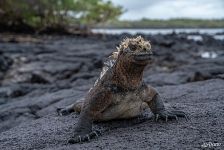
pixel 165 9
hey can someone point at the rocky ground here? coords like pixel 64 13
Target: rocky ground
pixel 40 73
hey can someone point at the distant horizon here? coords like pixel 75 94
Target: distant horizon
pixel 171 9
pixel 176 19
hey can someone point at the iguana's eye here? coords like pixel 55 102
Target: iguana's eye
pixel 132 47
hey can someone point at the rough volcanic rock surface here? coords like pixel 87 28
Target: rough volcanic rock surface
pixel 202 100
pixel 40 73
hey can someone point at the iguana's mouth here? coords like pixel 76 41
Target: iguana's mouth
pixel 143 56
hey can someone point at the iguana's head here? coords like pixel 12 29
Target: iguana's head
pixel 134 50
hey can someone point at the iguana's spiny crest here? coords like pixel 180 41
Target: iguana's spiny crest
pixel 135 44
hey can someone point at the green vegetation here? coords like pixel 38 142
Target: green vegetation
pixel 39 14
pixel 80 15
pixel 172 23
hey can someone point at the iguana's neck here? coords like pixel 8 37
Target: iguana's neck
pixel 127 75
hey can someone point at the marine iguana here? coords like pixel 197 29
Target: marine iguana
pixel 120 91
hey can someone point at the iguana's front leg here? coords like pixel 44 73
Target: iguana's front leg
pixel 159 110
pixel 83 131
pixel 95 103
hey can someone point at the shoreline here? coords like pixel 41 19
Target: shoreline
pixel 158 27
pixel 96 31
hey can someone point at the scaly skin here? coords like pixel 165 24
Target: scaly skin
pixel 120 93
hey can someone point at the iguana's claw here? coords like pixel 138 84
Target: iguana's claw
pixel 62 111
pixel 179 113
pixel 171 115
pixel 84 138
